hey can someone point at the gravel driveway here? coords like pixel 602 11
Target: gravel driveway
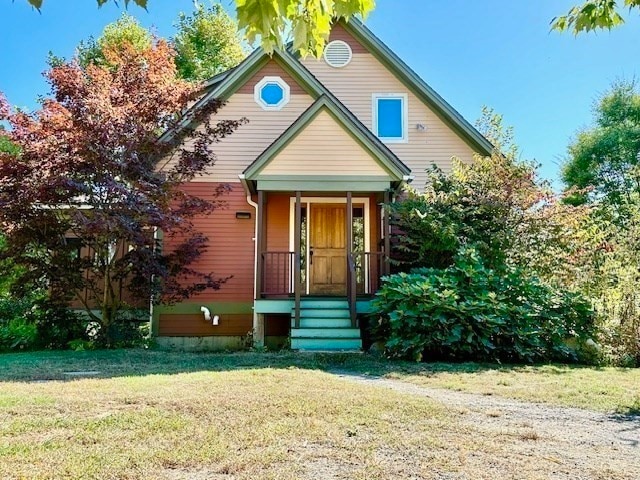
pixel 578 441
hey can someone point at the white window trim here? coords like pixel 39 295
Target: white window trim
pixel 285 97
pixel 405 116
pixel 307 201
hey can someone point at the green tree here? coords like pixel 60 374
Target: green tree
pixel 126 31
pixel 593 15
pixel 604 160
pixel 207 43
pixel 307 21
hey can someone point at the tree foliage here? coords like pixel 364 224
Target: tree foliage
pixel 496 203
pixel 468 311
pixel 604 160
pixel 308 22
pixel 125 32
pixel 85 184
pixel 593 15
pixel 207 43
pixel 141 3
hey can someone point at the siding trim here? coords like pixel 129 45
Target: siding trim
pixel 385 158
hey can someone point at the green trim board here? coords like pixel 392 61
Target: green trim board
pixel 273 306
pixel 363 306
pixel 382 155
pixel 229 82
pixel 215 307
pixel 312 185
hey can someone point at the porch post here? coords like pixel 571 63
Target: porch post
pixel 351 290
pixel 297 258
pixel 386 232
pixel 260 245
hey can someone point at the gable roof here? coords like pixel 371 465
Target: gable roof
pixel 223 85
pixel 417 85
pixel 372 144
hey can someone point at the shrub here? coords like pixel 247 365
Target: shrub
pixel 56 324
pixel 17 334
pixel 130 329
pixel 470 312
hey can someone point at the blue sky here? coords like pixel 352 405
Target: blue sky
pixel 498 53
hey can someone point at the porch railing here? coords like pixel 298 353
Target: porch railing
pixel 369 267
pixel 363 276
pixel 364 270
pixel 277 274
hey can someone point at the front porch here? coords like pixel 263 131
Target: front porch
pixel 337 248
pixel 322 233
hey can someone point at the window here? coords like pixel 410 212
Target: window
pixel 390 117
pixel 271 93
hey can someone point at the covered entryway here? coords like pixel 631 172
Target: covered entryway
pixel 335 176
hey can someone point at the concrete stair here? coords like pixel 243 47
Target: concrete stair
pixel 325 324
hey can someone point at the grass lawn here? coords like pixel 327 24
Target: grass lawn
pixel 150 414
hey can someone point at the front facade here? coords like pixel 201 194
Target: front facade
pixel 304 235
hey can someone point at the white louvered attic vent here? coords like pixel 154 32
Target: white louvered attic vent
pixel 337 54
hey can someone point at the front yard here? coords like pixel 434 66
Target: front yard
pixel 148 414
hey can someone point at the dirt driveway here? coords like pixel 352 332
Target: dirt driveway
pixel 578 442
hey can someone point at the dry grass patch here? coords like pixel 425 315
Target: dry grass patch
pixel 601 389
pixel 155 415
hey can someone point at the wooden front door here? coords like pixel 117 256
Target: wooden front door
pixel 327 249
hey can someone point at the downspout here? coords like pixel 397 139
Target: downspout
pixel 243 180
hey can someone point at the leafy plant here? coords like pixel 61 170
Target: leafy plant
pixel 471 312
pixel 17 334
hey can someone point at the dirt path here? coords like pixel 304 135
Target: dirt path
pixel 577 440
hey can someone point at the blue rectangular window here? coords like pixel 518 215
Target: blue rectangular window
pixel 390 118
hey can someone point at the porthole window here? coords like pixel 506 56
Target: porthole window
pixel 271 93
pixel 337 54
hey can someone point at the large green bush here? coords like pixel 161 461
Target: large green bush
pixel 470 312
pixel 34 322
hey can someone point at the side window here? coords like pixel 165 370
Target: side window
pixel 390 117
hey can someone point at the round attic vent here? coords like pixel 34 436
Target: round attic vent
pixel 337 54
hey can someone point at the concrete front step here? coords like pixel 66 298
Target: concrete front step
pixel 333 344
pixel 325 333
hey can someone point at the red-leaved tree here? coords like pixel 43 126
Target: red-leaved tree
pixel 84 204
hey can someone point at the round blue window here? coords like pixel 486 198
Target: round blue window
pixel 272 94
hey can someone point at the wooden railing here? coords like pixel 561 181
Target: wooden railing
pixel 363 276
pixel 277 273
pixel 369 267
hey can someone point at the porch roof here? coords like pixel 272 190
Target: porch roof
pixel 326 149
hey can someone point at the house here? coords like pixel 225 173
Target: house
pixel 305 234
